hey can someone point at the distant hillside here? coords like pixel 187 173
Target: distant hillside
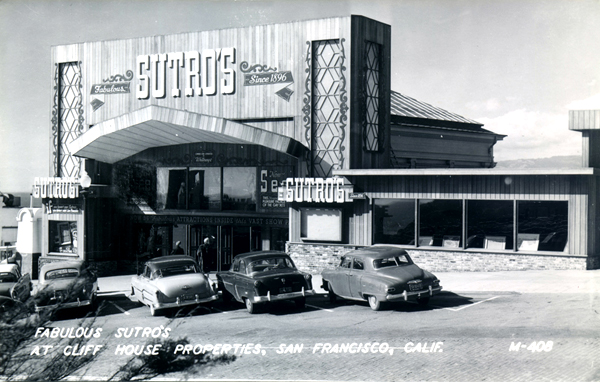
pixel 567 161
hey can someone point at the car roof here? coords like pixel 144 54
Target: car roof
pixel 78 264
pixel 158 261
pixel 8 267
pixel 259 255
pixel 377 252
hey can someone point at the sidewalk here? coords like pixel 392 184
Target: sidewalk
pixel 587 282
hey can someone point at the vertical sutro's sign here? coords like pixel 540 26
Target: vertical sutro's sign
pixel 159 75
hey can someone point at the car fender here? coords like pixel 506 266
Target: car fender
pixel 147 291
pixel 372 286
pixel 22 288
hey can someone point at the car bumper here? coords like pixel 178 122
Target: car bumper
pixel 417 294
pixel 64 305
pixel 283 296
pixel 179 303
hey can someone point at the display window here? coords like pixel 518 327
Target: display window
pixel 204 188
pixel 394 221
pixel 490 224
pixel 541 226
pixel 239 188
pixel 63 237
pixel 207 188
pixel 440 223
pixel 321 224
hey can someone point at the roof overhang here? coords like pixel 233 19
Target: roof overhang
pixel 154 126
pixel 465 172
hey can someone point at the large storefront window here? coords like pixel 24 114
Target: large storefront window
pixel 239 188
pixel 205 188
pixel 441 223
pixel 200 188
pixel 394 221
pixel 490 224
pixel 543 226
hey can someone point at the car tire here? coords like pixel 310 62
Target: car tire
pixel 332 296
pixel 423 301
pixel 250 306
pixel 374 302
pixel 300 302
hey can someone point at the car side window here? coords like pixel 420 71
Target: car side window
pixel 358 264
pixel 346 262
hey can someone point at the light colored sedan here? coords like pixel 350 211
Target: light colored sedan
pixel 380 274
pixel 171 282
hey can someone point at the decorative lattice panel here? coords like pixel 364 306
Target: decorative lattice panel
pixel 329 106
pixel 67 119
pixel 371 135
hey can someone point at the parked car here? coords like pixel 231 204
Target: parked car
pixel 66 284
pixel 380 274
pixel 260 277
pixel 13 284
pixel 172 281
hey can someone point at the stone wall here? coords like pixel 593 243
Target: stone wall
pixel 314 258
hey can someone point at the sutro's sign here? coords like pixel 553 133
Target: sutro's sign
pixel 199 71
pixel 317 190
pixel 60 188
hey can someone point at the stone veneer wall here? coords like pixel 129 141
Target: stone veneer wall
pixel 314 258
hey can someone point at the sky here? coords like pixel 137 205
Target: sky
pixel 518 67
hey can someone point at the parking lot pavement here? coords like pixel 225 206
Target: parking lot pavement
pixel 569 281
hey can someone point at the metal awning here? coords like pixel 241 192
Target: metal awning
pixel 154 126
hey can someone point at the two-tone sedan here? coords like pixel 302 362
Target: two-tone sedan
pixel 65 284
pixel 380 274
pixel 171 282
pixel 256 278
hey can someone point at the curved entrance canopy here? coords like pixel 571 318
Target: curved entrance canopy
pixel 153 126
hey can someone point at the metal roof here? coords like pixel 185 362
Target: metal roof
pixel 404 106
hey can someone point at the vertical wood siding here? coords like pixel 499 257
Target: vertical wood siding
pixel 281 46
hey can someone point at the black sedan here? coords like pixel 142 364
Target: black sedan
pixel 66 284
pixel 256 278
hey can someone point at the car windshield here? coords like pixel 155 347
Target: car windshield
pixel 64 273
pixel 8 277
pixel 393 261
pixel 176 269
pixel 263 265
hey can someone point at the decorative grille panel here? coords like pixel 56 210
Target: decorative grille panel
pixel 67 121
pixel 329 106
pixel 372 96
